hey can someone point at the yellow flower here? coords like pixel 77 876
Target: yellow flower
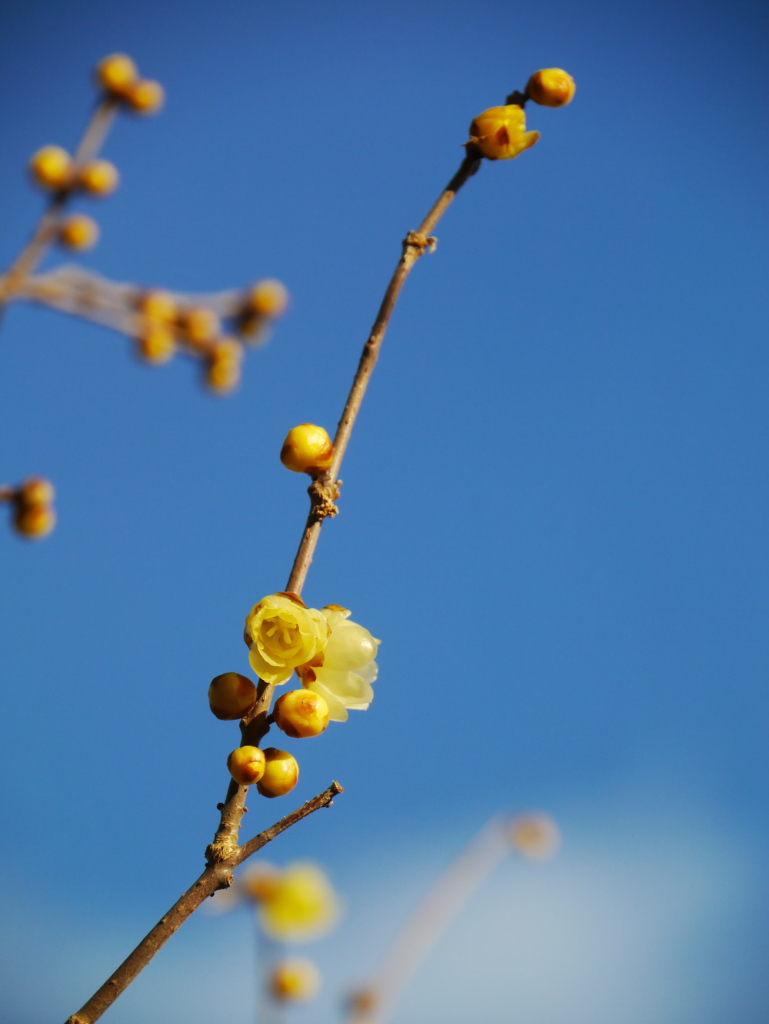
pixel 300 904
pixel 283 633
pixel 342 673
pixel 499 133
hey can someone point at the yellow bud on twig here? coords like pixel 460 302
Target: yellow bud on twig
pixel 156 344
pixel 79 232
pixel 551 87
pixel 144 96
pixel 36 491
pixel 231 695
pixel 52 167
pixel 223 367
pixel 116 73
pixel 281 773
pixel 294 980
pixel 200 325
pixel 499 133
pixel 246 765
pixel 98 177
pixel 158 305
pixel 301 713
pixel 34 521
pixel 307 449
pixel 268 298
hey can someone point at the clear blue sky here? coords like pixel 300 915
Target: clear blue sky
pixel 554 511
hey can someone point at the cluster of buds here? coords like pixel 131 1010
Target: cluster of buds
pixel 334 658
pixel 118 77
pixel 165 325
pixel 32 502
pixel 499 133
pixel 54 169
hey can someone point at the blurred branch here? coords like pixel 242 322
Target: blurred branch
pixel 218 875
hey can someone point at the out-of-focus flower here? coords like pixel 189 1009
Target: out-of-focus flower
pixel 298 905
pixel 294 980
pixel 283 633
pixel 499 133
pixel 535 836
pixel 343 671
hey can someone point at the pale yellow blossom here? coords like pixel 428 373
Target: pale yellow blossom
pixel 296 903
pixel 342 673
pixel 283 633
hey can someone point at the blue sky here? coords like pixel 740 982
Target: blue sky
pixel 553 512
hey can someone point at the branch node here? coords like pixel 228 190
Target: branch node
pixel 419 242
pixel 221 849
pixel 322 498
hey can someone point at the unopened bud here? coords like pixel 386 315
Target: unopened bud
pixel 535 836
pixel 301 713
pixel 268 298
pixel 294 980
pixel 36 491
pixel 79 232
pixel 145 96
pixel 231 695
pixel 98 177
pixel 51 167
pixel 307 449
pixel 281 773
pixel 551 87
pixel 156 344
pixel 116 73
pixel 499 133
pixel 246 765
pixel 34 521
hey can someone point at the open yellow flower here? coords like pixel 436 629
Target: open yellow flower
pixel 344 670
pixel 283 633
pixel 297 904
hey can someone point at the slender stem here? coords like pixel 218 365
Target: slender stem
pixel 216 876
pixel 374 1003
pixel 12 282
pixel 326 488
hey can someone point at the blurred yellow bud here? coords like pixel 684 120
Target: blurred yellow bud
pixel 223 365
pixel 158 305
pixel 302 904
pixel 34 521
pixel 307 449
pixel 535 836
pixel 200 325
pixel 36 491
pixel 116 73
pixel 52 167
pixel 231 695
pixel 247 765
pixel 281 773
pixel 283 633
pixel 156 344
pixel 268 298
pixel 98 177
pixel 294 980
pixel 260 881
pixel 79 231
pixel 144 96
pixel 499 133
pixel 551 87
pixel 301 713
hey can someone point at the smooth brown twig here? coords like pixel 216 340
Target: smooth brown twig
pixel 218 875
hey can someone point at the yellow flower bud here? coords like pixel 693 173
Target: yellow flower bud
pixel 301 713
pixel 551 87
pixel 158 305
pixel 231 695
pixel 79 232
pixel 144 96
pixel 281 773
pixel 156 344
pixel 116 73
pixel 307 449
pixel 247 765
pixel 294 980
pixel 268 298
pixel 99 177
pixel 499 133
pixel 52 167
pixel 200 325
pixel 223 365
pixel 535 836
pixel 34 521
pixel 36 491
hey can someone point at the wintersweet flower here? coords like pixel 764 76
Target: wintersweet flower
pixel 283 633
pixel 342 673
pixel 499 133
pixel 297 903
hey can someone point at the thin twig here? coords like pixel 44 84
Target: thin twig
pixel 374 1003
pixel 217 875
